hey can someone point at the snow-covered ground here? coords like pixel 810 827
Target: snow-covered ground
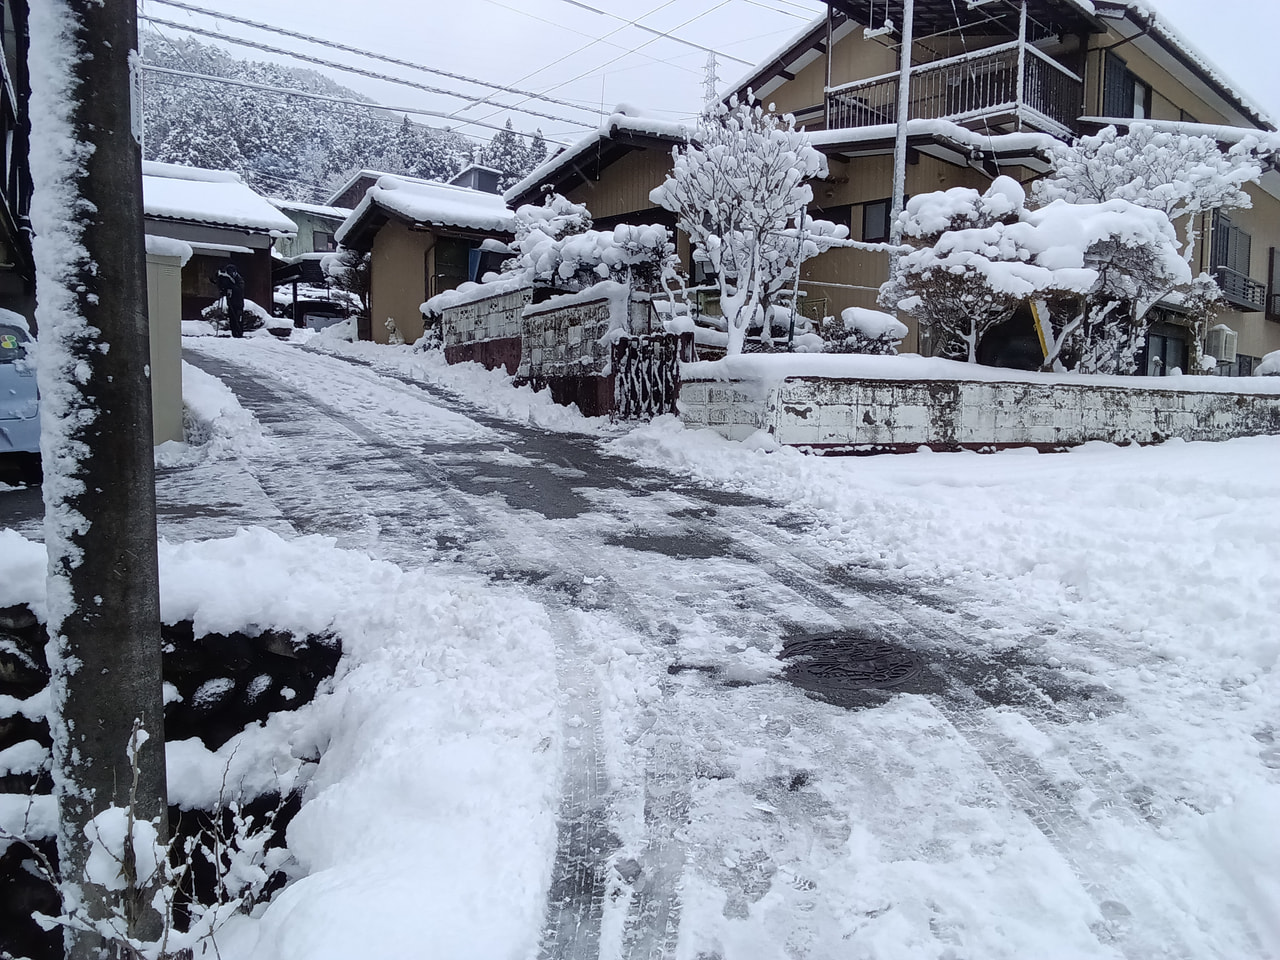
pixel 560 729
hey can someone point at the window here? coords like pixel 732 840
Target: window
pixel 875 221
pixel 322 241
pixel 841 214
pixel 452 265
pixel 1230 254
pixel 1245 365
pixel 1273 284
pixel 1123 94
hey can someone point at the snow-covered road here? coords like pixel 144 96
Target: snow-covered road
pixel 1024 796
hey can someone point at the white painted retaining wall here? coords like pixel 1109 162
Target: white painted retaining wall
pixel 864 415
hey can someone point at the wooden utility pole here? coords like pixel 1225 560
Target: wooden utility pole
pixel 99 489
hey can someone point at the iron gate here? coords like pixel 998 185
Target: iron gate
pixel 646 376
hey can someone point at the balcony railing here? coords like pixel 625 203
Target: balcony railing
pixel 1013 79
pixel 1241 291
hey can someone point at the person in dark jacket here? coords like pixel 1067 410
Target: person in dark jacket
pixel 231 285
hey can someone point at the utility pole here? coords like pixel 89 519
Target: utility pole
pixel 904 114
pixel 99 490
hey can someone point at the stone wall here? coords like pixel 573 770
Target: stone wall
pixel 868 416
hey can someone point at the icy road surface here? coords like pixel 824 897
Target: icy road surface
pixel 1047 789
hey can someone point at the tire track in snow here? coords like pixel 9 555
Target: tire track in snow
pixel 1136 919
pixel 583 871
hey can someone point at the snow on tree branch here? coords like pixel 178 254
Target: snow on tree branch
pixel 736 189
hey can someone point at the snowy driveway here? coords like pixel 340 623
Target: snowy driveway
pixel 1020 802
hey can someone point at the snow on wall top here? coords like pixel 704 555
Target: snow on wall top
pixel 431 202
pixel 624 120
pixel 172 192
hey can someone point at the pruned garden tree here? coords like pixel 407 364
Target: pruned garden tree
pixel 1097 269
pixel 946 285
pixel 1179 174
pixel 1182 175
pixel 739 191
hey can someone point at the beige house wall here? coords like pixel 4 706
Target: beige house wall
pixel 164 321
pixel 626 185
pixel 1168 96
pixel 1258 336
pixel 398 280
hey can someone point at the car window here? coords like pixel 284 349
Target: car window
pixel 12 344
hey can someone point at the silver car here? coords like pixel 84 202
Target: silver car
pixel 19 401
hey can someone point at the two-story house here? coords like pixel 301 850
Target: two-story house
pixel 992 83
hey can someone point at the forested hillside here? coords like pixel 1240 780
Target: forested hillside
pixel 293 148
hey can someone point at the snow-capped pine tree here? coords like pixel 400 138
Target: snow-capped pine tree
pixel 739 191
pixel 1100 268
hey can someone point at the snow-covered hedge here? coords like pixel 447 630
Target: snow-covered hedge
pixel 867 331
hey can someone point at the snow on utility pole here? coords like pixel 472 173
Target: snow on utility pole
pixel 99 488
pixel 904 114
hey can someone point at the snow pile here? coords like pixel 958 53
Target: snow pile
pixel 489 390
pixel 438 744
pixel 1270 365
pixel 215 424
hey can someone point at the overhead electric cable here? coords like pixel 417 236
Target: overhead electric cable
pixel 645 44
pixel 368 54
pixel 572 53
pixel 660 33
pixel 285 91
pixel 267 48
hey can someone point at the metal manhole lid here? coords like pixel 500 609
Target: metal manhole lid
pixel 837 665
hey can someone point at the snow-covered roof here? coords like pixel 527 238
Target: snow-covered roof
pixel 960 136
pixel 623 122
pixel 371 175
pixel 315 209
pixel 432 203
pixel 215 197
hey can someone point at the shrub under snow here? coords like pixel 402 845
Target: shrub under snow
pixel 866 331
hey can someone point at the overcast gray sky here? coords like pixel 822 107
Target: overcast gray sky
pixel 596 61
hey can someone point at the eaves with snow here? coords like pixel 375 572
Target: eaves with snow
pixel 424 205
pixel 215 198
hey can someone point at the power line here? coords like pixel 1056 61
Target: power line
pixel 572 53
pixel 343 67
pixel 661 33
pixel 641 46
pixel 344 101
pixel 367 53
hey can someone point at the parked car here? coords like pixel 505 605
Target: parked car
pixel 19 400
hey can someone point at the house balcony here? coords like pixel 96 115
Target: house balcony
pixel 1242 292
pixel 1012 86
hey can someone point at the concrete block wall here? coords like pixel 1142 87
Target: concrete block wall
pixel 846 415
pixel 493 318
pixel 565 341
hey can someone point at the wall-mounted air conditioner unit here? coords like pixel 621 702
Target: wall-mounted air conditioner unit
pixel 1221 343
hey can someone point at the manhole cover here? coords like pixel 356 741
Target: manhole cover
pixel 840 666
